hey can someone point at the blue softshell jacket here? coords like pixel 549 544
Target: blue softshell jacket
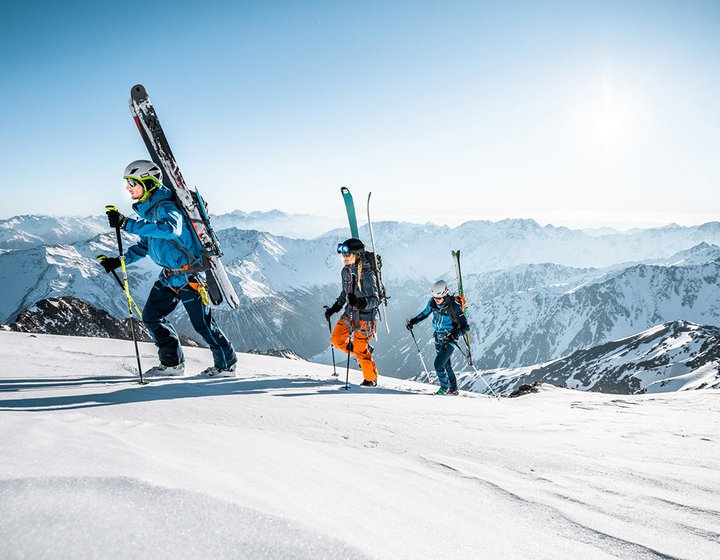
pixel 445 316
pixel 165 236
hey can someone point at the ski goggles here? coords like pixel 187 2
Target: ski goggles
pixel 343 249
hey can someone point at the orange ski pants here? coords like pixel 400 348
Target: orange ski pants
pixel 362 331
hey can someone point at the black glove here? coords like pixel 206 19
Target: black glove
pixel 109 263
pixel 330 311
pixel 410 323
pixel 357 302
pixel 116 219
pixel 454 334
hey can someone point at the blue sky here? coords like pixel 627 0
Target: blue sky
pixel 572 113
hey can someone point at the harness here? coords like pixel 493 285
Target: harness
pixel 357 325
pixel 450 312
pixel 190 270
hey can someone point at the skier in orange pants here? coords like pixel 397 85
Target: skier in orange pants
pixel 360 297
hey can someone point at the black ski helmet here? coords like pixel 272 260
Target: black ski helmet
pixel 352 246
pixel 146 172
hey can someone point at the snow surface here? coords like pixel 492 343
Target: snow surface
pixel 280 463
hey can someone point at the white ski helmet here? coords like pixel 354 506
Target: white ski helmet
pixel 148 173
pixel 439 289
pixel 143 170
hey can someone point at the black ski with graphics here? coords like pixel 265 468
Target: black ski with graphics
pixel 461 291
pixel 219 286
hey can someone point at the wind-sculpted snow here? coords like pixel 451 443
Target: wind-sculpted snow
pixel 280 463
pixel 81 512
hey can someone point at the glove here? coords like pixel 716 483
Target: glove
pixel 330 311
pixel 357 302
pixel 454 334
pixel 410 323
pixel 109 263
pixel 116 219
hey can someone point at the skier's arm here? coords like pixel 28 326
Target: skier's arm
pixel 136 252
pixel 424 313
pixel 168 226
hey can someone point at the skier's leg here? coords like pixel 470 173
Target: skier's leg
pixel 205 325
pixel 448 368
pixel 440 364
pixel 361 339
pixel 160 303
pixel 341 333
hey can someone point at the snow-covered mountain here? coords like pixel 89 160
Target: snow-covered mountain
pixel 69 316
pixel 536 325
pixel 279 463
pixel 673 356
pixel 23 232
pixel 275 222
pixel 530 311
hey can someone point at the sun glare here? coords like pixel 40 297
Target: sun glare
pixel 609 118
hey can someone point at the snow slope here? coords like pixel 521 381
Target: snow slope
pixel 673 356
pixel 279 463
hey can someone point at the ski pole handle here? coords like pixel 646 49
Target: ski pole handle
pixel 113 208
pixel 328 319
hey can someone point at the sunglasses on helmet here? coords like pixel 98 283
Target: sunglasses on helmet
pixel 343 249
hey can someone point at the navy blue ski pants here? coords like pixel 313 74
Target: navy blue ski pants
pixel 161 302
pixel 443 365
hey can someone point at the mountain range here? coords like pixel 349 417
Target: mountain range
pixel 672 356
pixel 535 293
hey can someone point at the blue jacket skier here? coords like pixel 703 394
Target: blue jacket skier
pixel 166 237
pixel 449 324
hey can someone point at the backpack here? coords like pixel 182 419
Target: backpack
pixel 375 262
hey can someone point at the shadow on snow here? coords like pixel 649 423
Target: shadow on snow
pixel 167 389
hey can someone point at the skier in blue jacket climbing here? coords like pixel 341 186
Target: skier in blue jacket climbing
pixel 166 237
pixel 449 324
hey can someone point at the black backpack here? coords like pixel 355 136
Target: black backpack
pixel 375 262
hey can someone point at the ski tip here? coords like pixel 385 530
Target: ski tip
pixel 138 91
pixel 344 190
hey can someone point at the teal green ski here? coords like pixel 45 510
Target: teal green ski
pixel 350 209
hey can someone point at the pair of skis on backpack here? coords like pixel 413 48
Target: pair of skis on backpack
pixel 373 257
pixel 189 201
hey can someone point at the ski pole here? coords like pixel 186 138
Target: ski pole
pixel 115 274
pixel 127 295
pixel 476 370
pixel 332 347
pixel 422 360
pixel 349 350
